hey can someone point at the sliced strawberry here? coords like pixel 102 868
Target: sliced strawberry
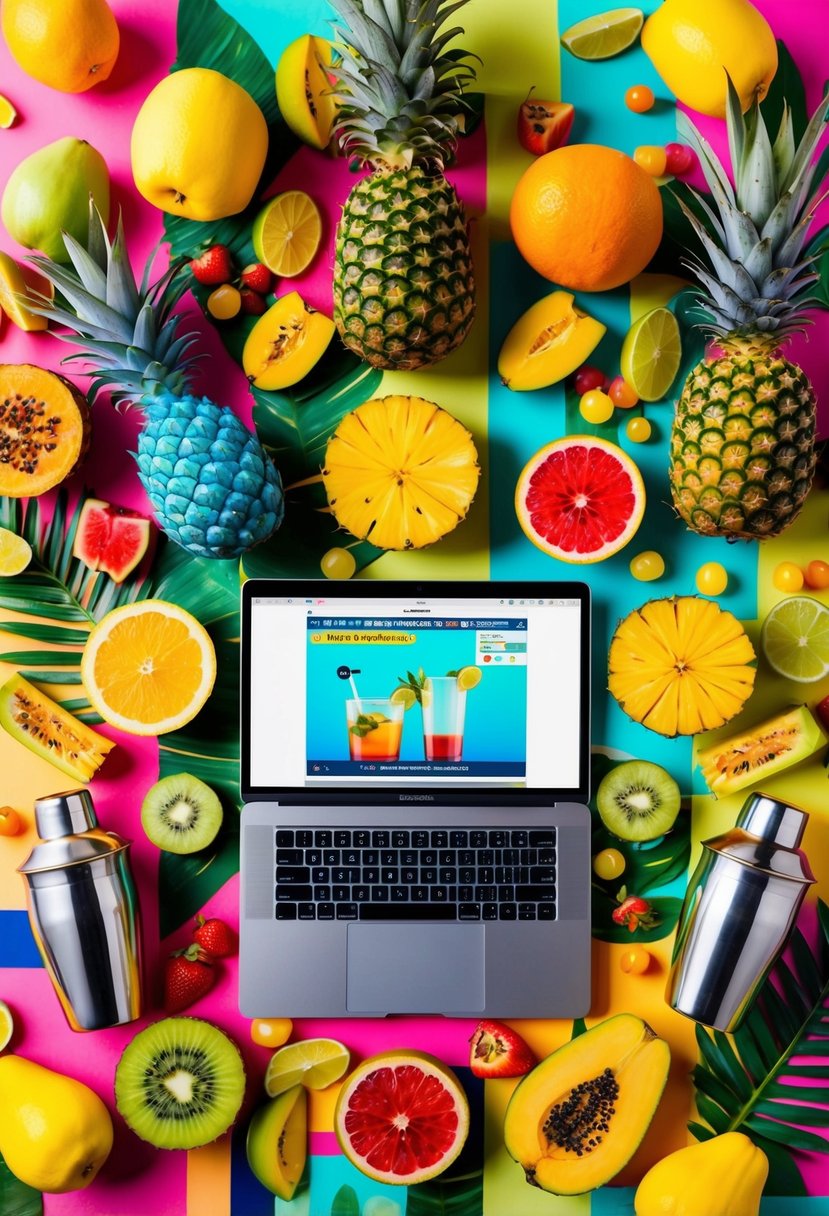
pixel 215 937
pixel 635 912
pixel 544 125
pixel 214 266
pixel 498 1051
pixel 188 976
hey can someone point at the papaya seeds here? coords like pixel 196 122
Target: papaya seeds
pixel 45 428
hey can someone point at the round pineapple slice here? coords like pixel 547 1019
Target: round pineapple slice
pixel 681 666
pixel 400 472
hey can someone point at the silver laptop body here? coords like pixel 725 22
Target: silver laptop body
pixel 488 808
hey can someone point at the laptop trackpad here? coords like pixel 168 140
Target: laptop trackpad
pixel 415 968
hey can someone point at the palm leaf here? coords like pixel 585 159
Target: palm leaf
pixel 16 1198
pixel 754 1081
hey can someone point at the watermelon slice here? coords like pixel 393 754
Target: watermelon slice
pixel 111 539
pixel 580 499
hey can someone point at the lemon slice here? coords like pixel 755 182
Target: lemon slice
pixel 651 354
pixel 795 639
pixel 148 667
pixel 406 696
pixel 15 553
pixel 287 233
pixel 7 113
pixel 604 34
pixel 6 1025
pixel 314 1063
pixel 469 677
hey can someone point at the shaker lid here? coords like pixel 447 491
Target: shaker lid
pixel 70 834
pixel 766 836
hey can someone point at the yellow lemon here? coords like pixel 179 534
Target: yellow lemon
pixel 198 145
pixel 69 45
pixel 692 43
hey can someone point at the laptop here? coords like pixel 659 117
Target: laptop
pixel 415 766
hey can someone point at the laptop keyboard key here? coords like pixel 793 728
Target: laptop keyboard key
pixel 289 857
pixel 289 874
pixel 400 895
pixel 547 911
pixel 321 874
pixel 323 838
pixel 322 894
pixel 342 840
pixel 408 874
pixel 361 894
pixel 380 895
pixel 519 838
pixel 285 838
pixel 400 840
pixel 380 840
pixel 374 911
pixel 507 911
pixel 469 912
pixel 542 874
pixel 526 911
pixel 347 911
pixel 543 838
pixel 304 838
pixel 325 911
pixel 286 911
pixel 341 894
pixel 439 839
pixel 489 912
pixel 361 838
pixel 307 912
pixel 331 857
pixel 420 840
pixel 459 839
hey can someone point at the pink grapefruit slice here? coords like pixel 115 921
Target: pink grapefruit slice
pixel 580 499
pixel 401 1117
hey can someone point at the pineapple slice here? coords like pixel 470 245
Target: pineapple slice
pixel 681 666
pixel 400 472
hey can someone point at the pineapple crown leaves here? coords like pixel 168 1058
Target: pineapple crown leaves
pixel 755 239
pixel 400 88
pixel 129 330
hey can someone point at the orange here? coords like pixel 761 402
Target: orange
pixel 586 217
pixel 69 45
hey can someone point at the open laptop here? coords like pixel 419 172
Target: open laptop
pixel 415 761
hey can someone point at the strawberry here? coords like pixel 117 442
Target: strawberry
pixel 498 1051
pixel 635 912
pixel 252 302
pixel 188 975
pixel 215 937
pixel 257 277
pixel 214 266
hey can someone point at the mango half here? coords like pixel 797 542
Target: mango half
pixel 285 343
pixel 723 1176
pixel 277 1142
pixel 547 343
pixel 579 1116
pixel 303 90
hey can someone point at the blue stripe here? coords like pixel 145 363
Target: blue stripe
pixel 248 1197
pixel 17 946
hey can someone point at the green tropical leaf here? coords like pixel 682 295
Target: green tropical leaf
pixel 754 1081
pixel 16 1198
pixel 345 1202
pixel 461 1196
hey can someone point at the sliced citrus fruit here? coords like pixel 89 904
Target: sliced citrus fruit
pixel 314 1063
pixel 148 667
pixel 7 113
pixel 401 1117
pixel 405 695
pixel 287 233
pixel 795 639
pixel 15 553
pixel 580 499
pixel 469 677
pixel 6 1025
pixel 651 353
pixel 604 34
pixel 21 285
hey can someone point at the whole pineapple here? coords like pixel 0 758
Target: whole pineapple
pixel 213 488
pixel 404 295
pixel 743 439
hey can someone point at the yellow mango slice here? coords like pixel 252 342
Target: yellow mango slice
pixel 547 343
pixel 285 343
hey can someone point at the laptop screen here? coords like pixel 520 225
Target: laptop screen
pixel 407 687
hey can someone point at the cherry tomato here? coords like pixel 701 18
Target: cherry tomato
pixel 652 158
pixel 621 393
pixel 712 579
pixel 224 303
pixel 680 159
pixel 817 575
pixel 647 566
pixel 338 563
pixel 587 378
pixel 787 577
pixel 9 821
pixel 635 960
pixel 271 1032
pixel 639 98
pixel 596 406
pixel 638 430
pixel 608 864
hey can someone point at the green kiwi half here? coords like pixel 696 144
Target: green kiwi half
pixel 181 814
pixel 180 1083
pixel 638 800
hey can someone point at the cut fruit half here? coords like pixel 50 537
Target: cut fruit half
pixel 111 539
pixel 795 639
pixel 21 285
pixel 15 553
pixel 638 800
pixel 401 1117
pixel 604 34
pixel 148 667
pixel 651 354
pixel 287 233
pixel 580 499
pixel 314 1063
pixel 285 343
pixel 547 343
pixel 469 677
pixel 7 113
pixel 6 1025
pixel 50 731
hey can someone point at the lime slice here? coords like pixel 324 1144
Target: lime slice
pixel 314 1063
pixel 795 639
pixel 604 34
pixel 651 353
pixel 287 233
pixel 469 677
pixel 406 696
pixel 7 113
pixel 6 1025
pixel 15 553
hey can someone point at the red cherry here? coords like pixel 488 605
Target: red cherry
pixel 588 378
pixel 621 394
pixel 680 159
pixel 253 303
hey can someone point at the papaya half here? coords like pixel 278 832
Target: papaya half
pixel 285 343
pixel 579 1116
pixel 45 428
pixel 547 343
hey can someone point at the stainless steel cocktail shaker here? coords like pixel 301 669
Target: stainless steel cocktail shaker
pixel 83 911
pixel 740 907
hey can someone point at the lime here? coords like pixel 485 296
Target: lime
pixel 287 233
pixel 314 1063
pixel 469 677
pixel 795 639
pixel 7 112
pixel 651 353
pixel 405 695
pixel 6 1025
pixel 603 34
pixel 15 553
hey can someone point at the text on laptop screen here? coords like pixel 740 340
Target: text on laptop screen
pixel 415 692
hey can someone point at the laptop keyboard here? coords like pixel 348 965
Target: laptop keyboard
pixel 428 874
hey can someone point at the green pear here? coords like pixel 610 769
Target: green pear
pixel 277 1142
pixel 48 193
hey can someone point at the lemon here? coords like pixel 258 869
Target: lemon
pixel 287 233
pixel 7 113
pixel 314 1063
pixel 603 34
pixel 651 354
pixel 795 639
pixel 6 1025
pixel 469 677
pixel 15 553
pixel 406 696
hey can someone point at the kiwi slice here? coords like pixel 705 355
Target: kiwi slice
pixel 180 1083
pixel 638 800
pixel 181 814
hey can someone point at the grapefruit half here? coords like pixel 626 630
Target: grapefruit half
pixel 580 499
pixel 401 1117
